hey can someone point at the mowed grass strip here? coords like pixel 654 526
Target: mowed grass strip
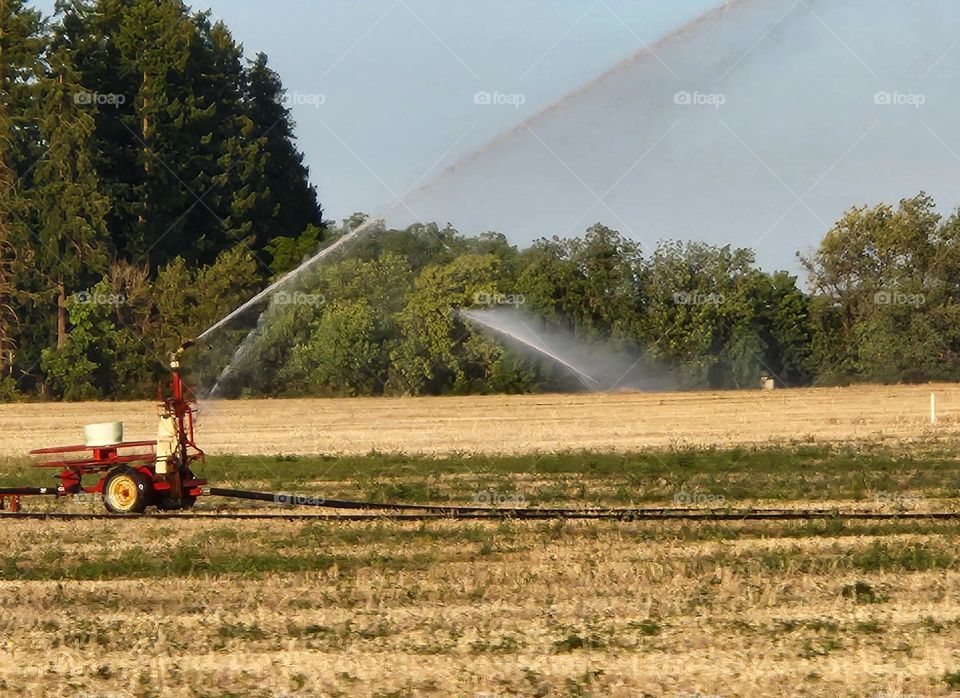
pixel 596 479
pixel 725 476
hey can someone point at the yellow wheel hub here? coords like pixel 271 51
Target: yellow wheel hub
pixel 122 491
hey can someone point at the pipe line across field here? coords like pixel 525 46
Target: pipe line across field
pixel 423 512
pixel 520 514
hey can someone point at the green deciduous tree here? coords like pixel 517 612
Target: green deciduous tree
pixel 345 353
pixel 429 355
pixel 79 369
pixel 716 320
pixel 885 307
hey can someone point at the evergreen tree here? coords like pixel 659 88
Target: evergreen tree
pixel 293 198
pixel 239 195
pixel 88 28
pixel 21 47
pixel 70 206
pixel 155 39
pixel 195 149
pixel 9 257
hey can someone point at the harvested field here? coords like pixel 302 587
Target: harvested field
pixel 518 424
pixel 216 609
pixel 467 609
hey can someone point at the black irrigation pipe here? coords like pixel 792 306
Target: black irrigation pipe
pixel 428 512
pixel 26 491
pixel 651 513
pixel 528 515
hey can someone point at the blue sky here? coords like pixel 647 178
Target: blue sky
pixel 795 111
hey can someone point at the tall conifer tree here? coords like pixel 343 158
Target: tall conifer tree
pixel 71 208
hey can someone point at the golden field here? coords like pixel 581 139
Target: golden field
pixel 516 424
pixel 158 608
pixel 472 609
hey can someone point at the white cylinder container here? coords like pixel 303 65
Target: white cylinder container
pixel 103 434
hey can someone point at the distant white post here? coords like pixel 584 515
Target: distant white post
pixel 933 408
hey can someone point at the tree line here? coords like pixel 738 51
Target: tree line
pixel 138 147
pixel 150 183
pixel 881 305
pixel 379 317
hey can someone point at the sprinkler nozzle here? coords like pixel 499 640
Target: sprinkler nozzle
pixel 175 355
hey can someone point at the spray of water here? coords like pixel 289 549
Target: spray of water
pixel 238 356
pixel 517 329
pixel 584 92
pixel 597 367
pixel 290 276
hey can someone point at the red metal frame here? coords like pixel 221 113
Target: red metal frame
pixel 181 406
pixel 12 505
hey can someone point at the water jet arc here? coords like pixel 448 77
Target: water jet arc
pixel 337 244
pixel 589 381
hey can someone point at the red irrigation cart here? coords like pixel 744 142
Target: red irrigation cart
pixel 131 475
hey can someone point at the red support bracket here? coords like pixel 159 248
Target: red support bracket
pixel 14 502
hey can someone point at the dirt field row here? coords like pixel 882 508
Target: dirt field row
pixel 516 424
pixel 478 610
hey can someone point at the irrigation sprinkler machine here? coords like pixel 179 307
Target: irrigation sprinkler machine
pixel 131 475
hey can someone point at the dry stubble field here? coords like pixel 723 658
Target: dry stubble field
pixel 516 423
pixel 446 608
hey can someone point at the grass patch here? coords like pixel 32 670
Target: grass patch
pixel 187 560
pixel 873 473
pixel 813 473
pixel 861 592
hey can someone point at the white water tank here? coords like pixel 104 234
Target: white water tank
pixel 103 434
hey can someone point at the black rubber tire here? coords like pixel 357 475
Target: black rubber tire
pixel 135 495
pixel 165 503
